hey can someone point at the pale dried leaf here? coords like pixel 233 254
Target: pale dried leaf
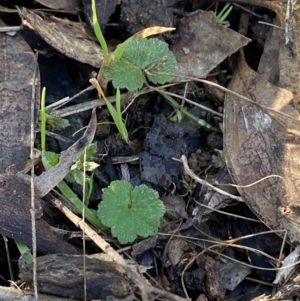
pixel 283 274
pixel 70 38
pixel 176 249
pixel 233 273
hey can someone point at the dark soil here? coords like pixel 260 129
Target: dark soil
pixel 159 140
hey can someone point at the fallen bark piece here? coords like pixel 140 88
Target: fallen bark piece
pixel 63 276
pixel 16 80
pixel 15 216
pixel 15 294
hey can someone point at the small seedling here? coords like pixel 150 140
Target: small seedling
pixel 25 252
pixel 185 112
pixel 50 159
pixel 130 211
pixel 131 63
pixel 45 116
pixel 77 171
pixel 116 113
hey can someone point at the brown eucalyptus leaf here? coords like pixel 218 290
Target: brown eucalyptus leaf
pixel 259 142
pixel 204 44
pixel 16 80
pixel 67 5
pixel 73 39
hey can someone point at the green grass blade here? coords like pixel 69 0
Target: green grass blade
pixel 221 17
pixel 116 115
pixel 98 31
pixel 118 53
pixel 188 114
pixel 90 215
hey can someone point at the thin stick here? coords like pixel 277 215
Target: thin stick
pixel 33 210
pixel 64 101
pixel 11 276
pixel 188 100
pixel 205 183
pixel 83 223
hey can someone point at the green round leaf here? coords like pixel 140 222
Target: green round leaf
pixel 130 212
pixel 153 57
pixel 124 75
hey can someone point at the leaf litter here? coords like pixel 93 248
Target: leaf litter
pixel 252 132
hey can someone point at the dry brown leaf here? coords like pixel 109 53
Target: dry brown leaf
pixel 67 5
pixel 177 248
pixel 288 67
pixel 144 245
pixel 257 143
pixel 70 38
pixel 175 206
pixel 214 282
pixel 277 57
pixel 204 44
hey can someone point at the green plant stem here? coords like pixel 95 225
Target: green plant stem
pixel 188 114
pixel 43 120
pixel 90 215
pixel 116 115
pixel 98 32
